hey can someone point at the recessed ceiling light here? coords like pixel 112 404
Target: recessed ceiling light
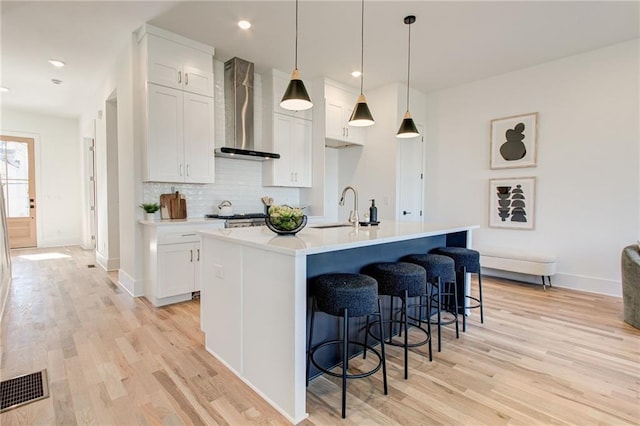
pixel 356 73
pixel 56 63
pixel 4 89
pixel 245 25
pixel 56 81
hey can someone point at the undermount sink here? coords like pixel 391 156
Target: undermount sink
pixel 332 225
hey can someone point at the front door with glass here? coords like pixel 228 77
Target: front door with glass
pixel 17 175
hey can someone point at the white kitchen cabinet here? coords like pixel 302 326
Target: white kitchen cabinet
pixel 172 259
pixel 177 116
pixel 292 139
pixel 288 133
pixel 339 104
pixel 178 66
pixel 180 136
pixel 178 266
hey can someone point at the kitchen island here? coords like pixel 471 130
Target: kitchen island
pixel 254 293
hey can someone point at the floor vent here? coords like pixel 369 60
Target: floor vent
pixel 91 266
pixel 23 390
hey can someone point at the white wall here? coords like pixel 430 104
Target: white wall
pixel 373 169
pixel 126 233
pixel 588 160
pixel 58 173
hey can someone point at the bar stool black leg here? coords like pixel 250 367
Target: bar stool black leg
pixel 438 285
pixel 384 355
pixel 455 310
pixel 464 300
pixel 481 304
pixel 345 360
pixel 406 334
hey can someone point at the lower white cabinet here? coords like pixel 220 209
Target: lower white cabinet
pixel 172 260
pixel 292 139
pixel 178 268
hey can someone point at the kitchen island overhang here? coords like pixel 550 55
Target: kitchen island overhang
pixel 254 293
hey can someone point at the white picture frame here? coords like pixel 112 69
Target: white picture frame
pixel 512 203
pixel 514 141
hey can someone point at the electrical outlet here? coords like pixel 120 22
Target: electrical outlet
pixel 218 271
pixel 385 200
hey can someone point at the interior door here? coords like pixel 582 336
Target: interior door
pixel 17 174
pixel 411 187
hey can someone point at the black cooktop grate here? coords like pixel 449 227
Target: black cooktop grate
pixel 23 390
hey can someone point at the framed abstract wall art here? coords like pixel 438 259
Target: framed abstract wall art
pixel 513 141
pixel 512 203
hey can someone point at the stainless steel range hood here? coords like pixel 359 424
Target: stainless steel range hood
pixel 238 101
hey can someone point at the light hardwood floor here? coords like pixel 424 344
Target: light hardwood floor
pixel 554 357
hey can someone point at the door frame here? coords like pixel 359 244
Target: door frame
pixel 37 163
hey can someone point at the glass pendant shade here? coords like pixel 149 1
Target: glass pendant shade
pixel 407 128
pixel 361 115
pixel 296 97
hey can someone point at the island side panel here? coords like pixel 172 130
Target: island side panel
pixel 274 328
pixel 221 301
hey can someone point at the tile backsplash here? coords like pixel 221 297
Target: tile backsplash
pixel 239 181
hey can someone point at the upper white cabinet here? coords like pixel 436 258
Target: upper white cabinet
pixel 292 140
pixel 176 65
pixel 339 104
pixel 180 134
pixel 178 116
pixel 288 133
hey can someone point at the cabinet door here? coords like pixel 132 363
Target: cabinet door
pixel 354 133
pixel 165 149
pixel 176 268
pixel 301 144
pixel 198 138
pixel 198 81
pixel 334 121
pixel 282 174
pixel 164 64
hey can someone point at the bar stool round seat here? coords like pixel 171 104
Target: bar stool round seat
pixel 441 275
pixel 466 260
pixel 346 296
pixel 402 280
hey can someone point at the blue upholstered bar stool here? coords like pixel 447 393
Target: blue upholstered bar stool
pixel 403 280
pixel 441 275
pixel 466 260
pixel 346 296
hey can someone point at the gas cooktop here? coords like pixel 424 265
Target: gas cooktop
pixel 237 216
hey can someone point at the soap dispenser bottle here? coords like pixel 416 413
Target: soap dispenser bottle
pixel 373 212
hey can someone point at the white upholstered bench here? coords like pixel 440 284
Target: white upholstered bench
pixel 519 260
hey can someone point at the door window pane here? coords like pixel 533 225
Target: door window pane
pixel 3 161
pixel 17 160
pixel 17 194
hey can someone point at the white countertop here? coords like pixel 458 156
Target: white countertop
pixel 313 240
pixel 187 221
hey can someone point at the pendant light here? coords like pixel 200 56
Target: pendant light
pixel 408 128
pixel 296 97
pixel 361 115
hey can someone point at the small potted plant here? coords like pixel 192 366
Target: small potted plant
pixel 150 210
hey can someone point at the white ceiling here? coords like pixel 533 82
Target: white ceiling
pixel 452 42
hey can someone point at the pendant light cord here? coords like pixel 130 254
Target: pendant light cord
pixel 408 67
pixel 362 51
pixel 296 56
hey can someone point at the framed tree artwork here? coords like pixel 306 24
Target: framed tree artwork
pixel 512 202
pixel 513 141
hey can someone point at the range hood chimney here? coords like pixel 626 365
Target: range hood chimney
pixel 238 109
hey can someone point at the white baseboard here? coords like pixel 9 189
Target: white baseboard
pixel 563 280
pixel 107 264
pixel 129 284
